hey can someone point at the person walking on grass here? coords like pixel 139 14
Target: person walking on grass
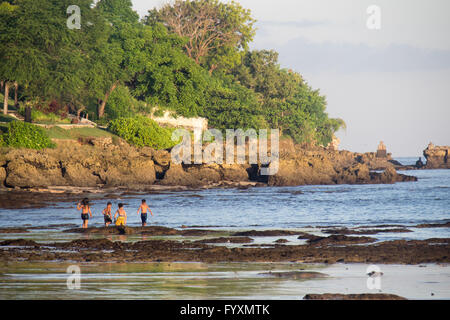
pixel 86 212
pixel 143 210
pixel 121 215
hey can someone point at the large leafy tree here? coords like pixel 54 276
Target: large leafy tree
pixel 49 60
pixel 217 33
pixel 288 103
pixel 174 81
pixel 232 106
pixel 170 79
pixel 6 23
pixel 124 54
pixel 16 59
pixel 261 72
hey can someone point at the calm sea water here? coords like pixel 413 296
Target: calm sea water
pixel 425 201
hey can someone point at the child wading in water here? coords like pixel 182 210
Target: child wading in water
pixel 86 211
pixel 121 216
pixel 143 209
pixel 107 214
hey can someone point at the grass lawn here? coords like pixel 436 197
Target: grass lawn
pixel 59 133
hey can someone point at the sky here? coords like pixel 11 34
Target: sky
pixel 390 84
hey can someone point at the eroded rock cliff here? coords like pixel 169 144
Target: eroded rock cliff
pixel 102 163
pixel 437 157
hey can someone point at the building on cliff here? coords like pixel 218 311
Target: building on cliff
pixel 169 118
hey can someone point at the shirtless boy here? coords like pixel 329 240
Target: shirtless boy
pixel 143 210
pixel 85 208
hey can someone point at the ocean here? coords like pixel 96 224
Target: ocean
pixel 409 203
pixel 303 207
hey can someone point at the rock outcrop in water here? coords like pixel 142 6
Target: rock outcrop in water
pixel 437 157
pixel 104 163
pixel 318 166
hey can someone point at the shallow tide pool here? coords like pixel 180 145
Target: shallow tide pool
pixel 156 281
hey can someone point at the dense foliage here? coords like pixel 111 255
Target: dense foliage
pixel 121 104
pixel 142 132
pixel 25 135
pixel 189 56
pixel 217 33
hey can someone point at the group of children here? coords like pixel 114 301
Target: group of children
pixel 120 217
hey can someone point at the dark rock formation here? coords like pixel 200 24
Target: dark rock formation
pixel 19 242
pixel 390 175
pixel 339 240
pixel 265 233
pixel 227 240
pixel 346 231
pixel 281 241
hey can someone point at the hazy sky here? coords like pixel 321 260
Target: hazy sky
pixel 391 84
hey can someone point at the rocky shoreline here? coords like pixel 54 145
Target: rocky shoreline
pixel 214 246
pixel 104 250
pixel 107 164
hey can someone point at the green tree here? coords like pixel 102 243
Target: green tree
pixel 123 55
pixel 121 103
pixel 217 33
pixel 13 66
pixel 232 106
pixel 170 79
pixel 288 102
pixel 49 60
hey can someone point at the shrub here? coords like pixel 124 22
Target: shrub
pixel 2 141
pixel 141 131
pixel 26 135
pixel 120 103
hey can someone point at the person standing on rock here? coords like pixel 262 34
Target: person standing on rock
pixel 85 208
pixel 143 210
pixel 121 215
